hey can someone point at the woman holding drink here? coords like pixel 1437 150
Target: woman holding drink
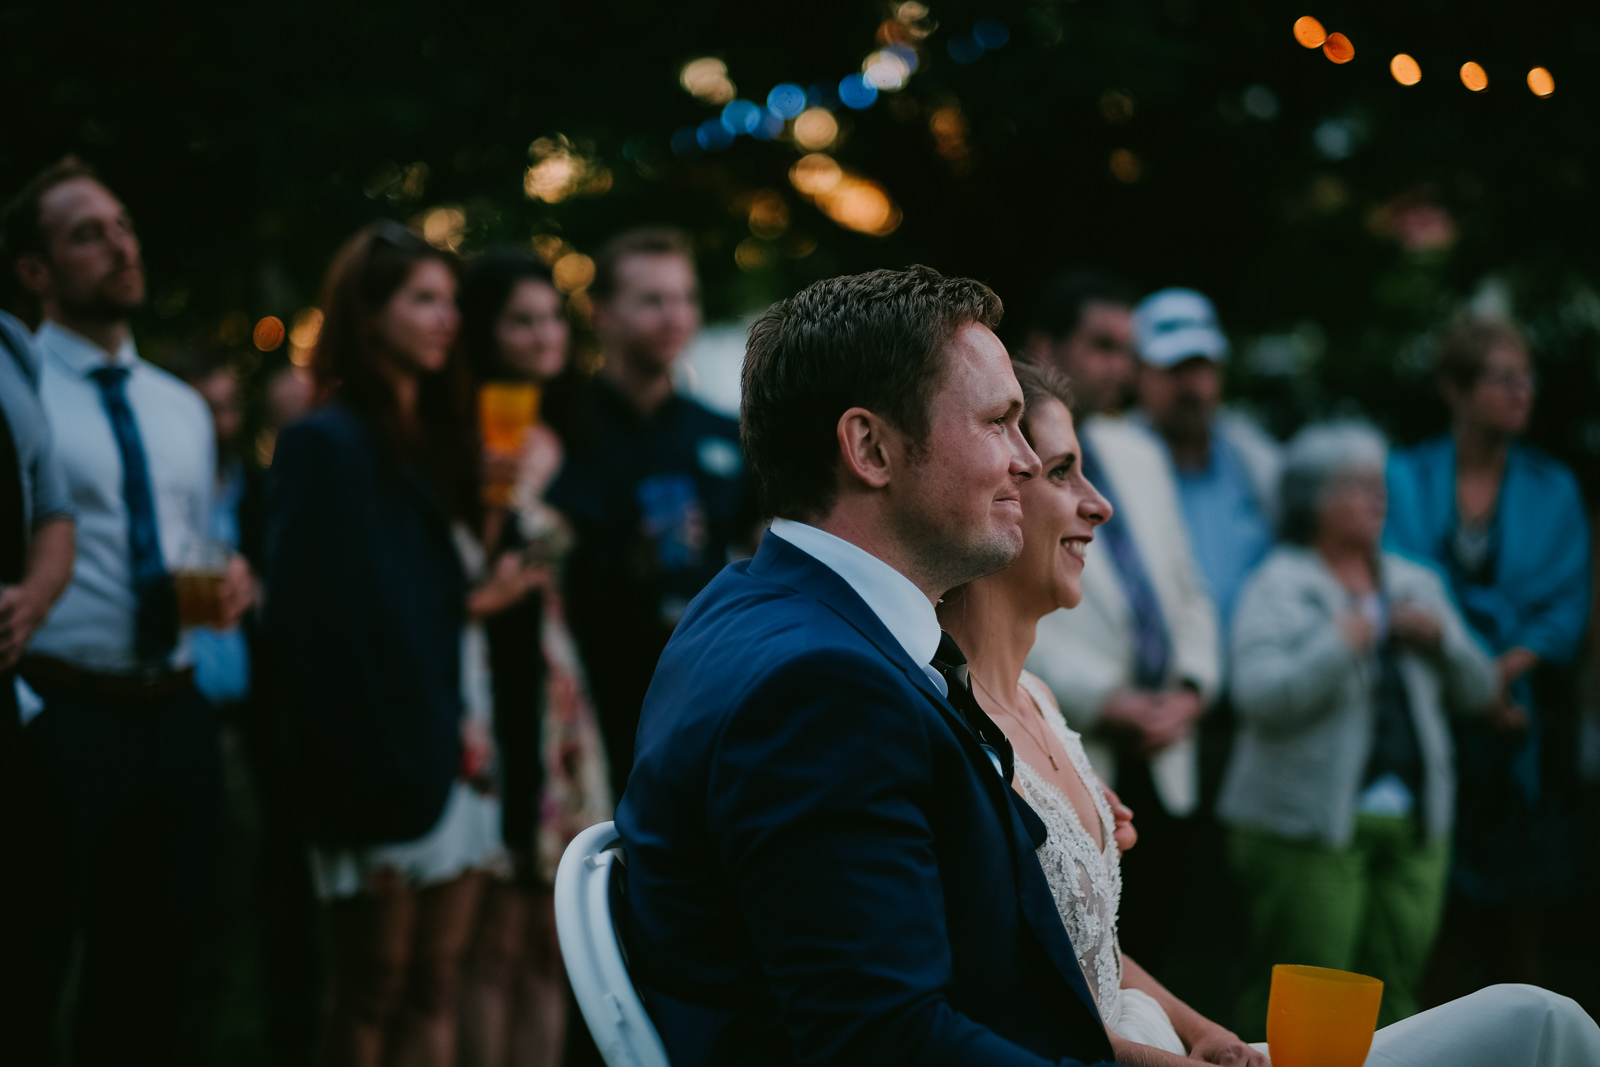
pixel 993 620
pixel 552 770
pixel 367 605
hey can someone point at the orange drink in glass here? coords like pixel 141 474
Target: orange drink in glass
pixel 506 412
pixel 1319 1017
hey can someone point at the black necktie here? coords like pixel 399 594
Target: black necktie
pixel 951 663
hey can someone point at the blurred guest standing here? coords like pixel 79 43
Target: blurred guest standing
pixel 1339 794
pixel 35 565
pixel 1507 525
pixel 552 778
pixel 1227 468
pixel 366 609
pixel 1083 320
pixel 124 754
pixel 1137 663
pixel 659 495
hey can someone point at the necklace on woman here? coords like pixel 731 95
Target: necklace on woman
pixel 1042 739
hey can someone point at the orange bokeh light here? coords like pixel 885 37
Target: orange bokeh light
pixel 1309 32
pixel 1474 77
pixel 1338 48
pixel 1541 81
pixel 1406 71
pixel 268 334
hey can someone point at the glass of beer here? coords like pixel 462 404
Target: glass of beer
pixel 1319 1017
pixel 506 412
pixel 197 582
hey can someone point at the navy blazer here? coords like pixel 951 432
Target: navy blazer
pixel 823 864
pixel 364 606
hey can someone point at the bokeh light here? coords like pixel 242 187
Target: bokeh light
pixel 815 129
pixel 268 334
pixel 307 328
pixel 713 136
pixel 815 175
pixel 787 101
pixel 558 170
pixel 886 69
pixel 1125 166
pixel 572 272
pixel 1541 81
pixel 863 206
pixel 769 215
pixel 1309 32
pixel 991 34
pixel 707 80
pixel 856 92
pixel 444 227
pixel 1406 70
pixel 1474 77
pixel 741 116
pixel 1338 48
pixel 751 254
pixel 548 247
pixel 949 128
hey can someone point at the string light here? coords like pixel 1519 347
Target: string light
pixel 1338 48
pixel 1474 77
pixel 1309 32
pixel 1541 81
pixel 1406 71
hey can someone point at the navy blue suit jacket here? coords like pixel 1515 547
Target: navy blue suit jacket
pixel 823 864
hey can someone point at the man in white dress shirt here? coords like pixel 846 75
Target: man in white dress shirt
pixel 1138 661
pixel 122 761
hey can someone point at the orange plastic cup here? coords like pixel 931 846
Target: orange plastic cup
pixel 506 412
pixel 1319 1017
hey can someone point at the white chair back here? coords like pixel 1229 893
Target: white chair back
pixel 611 1006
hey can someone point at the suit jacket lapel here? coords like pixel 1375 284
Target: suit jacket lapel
pixel 777 560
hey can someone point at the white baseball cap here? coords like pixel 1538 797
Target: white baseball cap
pixel 1173 325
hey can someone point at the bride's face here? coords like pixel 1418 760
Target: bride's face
pixel 1060 511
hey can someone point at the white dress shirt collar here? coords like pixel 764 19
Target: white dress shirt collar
pixel 902 608
pixel 79 354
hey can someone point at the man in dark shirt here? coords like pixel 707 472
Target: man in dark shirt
pixel 654 484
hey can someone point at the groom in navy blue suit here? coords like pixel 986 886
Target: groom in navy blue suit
pixel 826 860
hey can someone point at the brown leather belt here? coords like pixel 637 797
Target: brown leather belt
pixel 143 686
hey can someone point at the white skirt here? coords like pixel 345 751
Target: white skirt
pixel 466 838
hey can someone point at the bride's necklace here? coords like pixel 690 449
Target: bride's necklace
pixel 1041 739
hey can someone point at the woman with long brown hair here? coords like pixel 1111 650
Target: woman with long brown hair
pixel 368 607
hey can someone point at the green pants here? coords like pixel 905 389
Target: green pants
pixel 1372 907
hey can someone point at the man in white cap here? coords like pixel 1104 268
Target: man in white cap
pixel 1227 469
pixel 1137 662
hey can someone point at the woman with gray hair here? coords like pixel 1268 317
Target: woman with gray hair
pixel 1340 792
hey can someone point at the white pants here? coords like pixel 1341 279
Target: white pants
pixel 1501 1026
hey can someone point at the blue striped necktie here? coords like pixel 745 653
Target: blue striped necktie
pixel 156 626
pixel 1152 645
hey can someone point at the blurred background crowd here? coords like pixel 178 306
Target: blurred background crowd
pixel 350 497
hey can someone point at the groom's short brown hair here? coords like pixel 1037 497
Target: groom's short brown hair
pixel 872 340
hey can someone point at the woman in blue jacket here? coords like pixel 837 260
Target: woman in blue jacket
pixel 1506 524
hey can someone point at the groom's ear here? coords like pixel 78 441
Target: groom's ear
pixel 866 447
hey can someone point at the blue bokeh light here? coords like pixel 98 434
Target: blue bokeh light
pixel 714 135
pixel 964 50
pixel 741 116
pixel 856 92
pixel 786 100
pixel 906 53
pixel 768 125
pixel 990 33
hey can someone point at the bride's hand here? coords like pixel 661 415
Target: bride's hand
pixel 1122 832
pixel 1223 1047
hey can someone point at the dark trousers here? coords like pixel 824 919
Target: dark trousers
pixel 123 807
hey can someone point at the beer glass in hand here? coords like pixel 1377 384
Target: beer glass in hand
pixel 506 412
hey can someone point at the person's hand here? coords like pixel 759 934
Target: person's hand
pixel 1506 714
pixel 499 470
pixel 22 611
pixel 541 459
pixel 1122 831
pixel 512 578
pixel 1220 1046
pixel 1152 721
pixel 1416 627
pixel 236 593
pixel 476 745
pixel 1359 633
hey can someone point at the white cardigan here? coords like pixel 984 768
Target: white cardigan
pixel 1086 654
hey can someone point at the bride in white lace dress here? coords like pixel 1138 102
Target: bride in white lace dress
pixel 993 620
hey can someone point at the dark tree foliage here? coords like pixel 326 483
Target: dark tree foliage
pixel 1336 216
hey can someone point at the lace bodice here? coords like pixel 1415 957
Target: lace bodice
pixel 1086 881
